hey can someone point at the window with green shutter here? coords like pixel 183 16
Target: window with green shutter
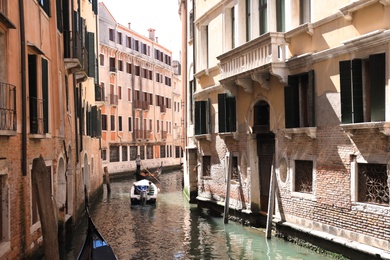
pixel 226 113
pixel 299 101
pixel 202 117
pixel 362 89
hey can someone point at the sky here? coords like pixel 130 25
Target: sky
pixel 161 15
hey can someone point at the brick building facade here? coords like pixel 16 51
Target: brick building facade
pixel 299 87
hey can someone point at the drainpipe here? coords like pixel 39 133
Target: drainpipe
pixel 24 90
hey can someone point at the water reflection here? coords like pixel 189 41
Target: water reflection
pixel 174 229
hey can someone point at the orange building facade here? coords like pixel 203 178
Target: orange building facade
pixel 47 79
pixel 140 91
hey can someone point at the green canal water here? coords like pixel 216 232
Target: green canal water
pixel 175 229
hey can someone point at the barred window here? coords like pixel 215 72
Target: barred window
pixel 373 185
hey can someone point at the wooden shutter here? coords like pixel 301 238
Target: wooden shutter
pixel 291 103
pixel 377 86
pixel 45 94
pixel 311 99
pixel 91 53
pixel 231 114
pixel 357 83
pixel 345 91
pixel 222 113
pixel 201 117
pixel 95 6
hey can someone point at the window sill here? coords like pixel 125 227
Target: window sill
pixel 383 127
pixel 225 135
pixel 39 136
pixel 7 133
pixel 372 208
pixel 203 136
pixel 309 131
pixel 306 196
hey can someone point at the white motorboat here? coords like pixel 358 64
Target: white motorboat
pixel 143 192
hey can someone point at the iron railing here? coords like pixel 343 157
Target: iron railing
pixel 37 120
pixel 7 106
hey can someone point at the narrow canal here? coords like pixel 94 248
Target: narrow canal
pixel 174 229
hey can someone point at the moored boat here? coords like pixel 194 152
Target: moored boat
pixel 143 192
pixel 95 246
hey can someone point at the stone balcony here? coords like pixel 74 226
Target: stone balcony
pixel 255 60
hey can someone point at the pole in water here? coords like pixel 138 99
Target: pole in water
pixel 107 179
pixel 271 201
pixel 229 173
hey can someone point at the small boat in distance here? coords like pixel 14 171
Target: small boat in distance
pixel 143 192
pixel 95 246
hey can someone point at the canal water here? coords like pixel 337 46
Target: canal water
pixel 175 229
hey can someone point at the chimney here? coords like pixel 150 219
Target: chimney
pixel 129 24
pixel 157 39
pixel 152 34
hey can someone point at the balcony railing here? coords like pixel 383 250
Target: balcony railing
pixel 139 104
pixel 99 93
pixel 142 134
pixel 37 120
pixel 267 49
pixel 7 107
pixel 74 48
pixel 113 99
pixel 164 134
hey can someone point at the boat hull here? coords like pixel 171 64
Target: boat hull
pixel 143 192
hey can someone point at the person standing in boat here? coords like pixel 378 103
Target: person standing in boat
pixel 138 175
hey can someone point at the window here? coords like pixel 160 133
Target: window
pixel 202 117
pixel 101 56
pixel 133 153
pixel 104 122
pixel 204 47
pixel 4 207
pixel 137 70
pixel 303 176
pixel 280 16
pixel 149 152
pixel 235 173
pixel 248 19
pixel 120 65
pixel 112 64
pixel 373 187
pixel 45 4
pixel 112 122
pixel 129 94
pixel 128 68
pixel 362 87
pixel 233 26
pixel 130 123
pixel 263 16
pixel 114 153
pixel 120 38
pixel 128 42
pixel 206 165
pixel 119 92
pixel 111 34
pixel 104 154
pixel 38 95
pixel 120 123
pixel 304 11
pixel 124 153
pixel 299 101
pixel 226 113
pixel 191 24
pixel 162 151
pixel 142 152
pixel 136 45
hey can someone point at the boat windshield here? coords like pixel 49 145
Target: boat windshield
pixel 142 187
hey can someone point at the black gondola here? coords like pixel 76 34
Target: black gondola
pixel 95 246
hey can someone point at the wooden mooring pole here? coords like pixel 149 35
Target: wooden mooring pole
pixel 107 179
pixel 271 200
pixel 228 177
pixel 41 183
